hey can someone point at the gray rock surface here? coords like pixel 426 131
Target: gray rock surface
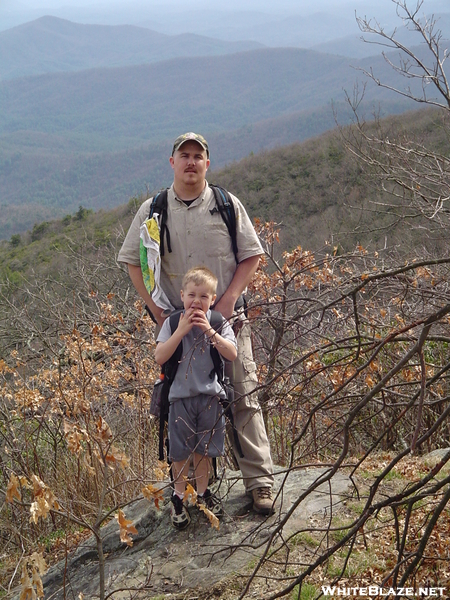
pixel 200 556
pixel 437 455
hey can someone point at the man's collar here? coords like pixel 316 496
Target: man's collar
pixel 195 201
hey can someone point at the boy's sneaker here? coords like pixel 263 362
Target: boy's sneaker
pixel 212 503
pixel 179 514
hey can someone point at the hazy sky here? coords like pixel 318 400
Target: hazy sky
pixel 217 4
pixel 266 5
pixel 154 12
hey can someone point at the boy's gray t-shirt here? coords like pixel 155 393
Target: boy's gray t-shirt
pixel 196 365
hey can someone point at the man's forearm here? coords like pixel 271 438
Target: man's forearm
pixel 242 277
pixel 135 274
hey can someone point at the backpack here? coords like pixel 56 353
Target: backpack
pixel 160 396
pixel 224 205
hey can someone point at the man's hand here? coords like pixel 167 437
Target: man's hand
pixel 225 306
pixel 160 317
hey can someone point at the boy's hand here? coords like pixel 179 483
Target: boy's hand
pixel 198 318
pixel 185 324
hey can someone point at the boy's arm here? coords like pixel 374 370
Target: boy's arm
pixel 224 347
pixel 164 350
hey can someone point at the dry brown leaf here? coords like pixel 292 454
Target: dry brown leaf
pixel 103 429
pixel 39 508
pixel 211 516
pixel 125 528
pixel 190 495
pixel 161 471
pixel 13 489
pixel 32 587
pixel 37 581
pixel 153 493
pixel 114 457
pixel 39 561
pixel 27 591
pixel 44 500
pixel 74 437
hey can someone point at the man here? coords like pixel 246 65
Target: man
pixel 199 236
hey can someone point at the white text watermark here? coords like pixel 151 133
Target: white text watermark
pixel 375 591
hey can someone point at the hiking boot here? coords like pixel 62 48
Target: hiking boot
pixel 212 503
pixel 263 502
pixel 179 514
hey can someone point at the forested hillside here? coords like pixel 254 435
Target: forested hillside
pixel 98 136
pixel 350 318
pixel 315 191
pixel 336 339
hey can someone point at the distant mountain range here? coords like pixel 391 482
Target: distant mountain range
pixel 49 45
pixel 299 23
pixel 96 136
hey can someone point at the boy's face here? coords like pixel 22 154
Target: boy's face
pixel 197 297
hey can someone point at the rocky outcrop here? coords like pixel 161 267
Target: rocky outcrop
pixel 200 556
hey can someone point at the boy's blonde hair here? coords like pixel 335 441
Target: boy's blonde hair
pixel 201 276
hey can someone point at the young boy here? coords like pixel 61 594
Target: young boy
pixel 196 423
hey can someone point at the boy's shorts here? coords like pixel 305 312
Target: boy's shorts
pixel 196 424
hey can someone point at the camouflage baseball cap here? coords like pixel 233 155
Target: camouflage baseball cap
pixel 186 137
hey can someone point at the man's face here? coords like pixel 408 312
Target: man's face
pixel 197 297
pixel 189 164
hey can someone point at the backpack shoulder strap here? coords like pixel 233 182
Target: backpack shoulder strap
pixel 171 366
pixel 226 208
pixel 158 203
pixel 216 322
pixel 159 206
pixel 169 370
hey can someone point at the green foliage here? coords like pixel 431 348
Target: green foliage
pixel 82 213
pixel 38 230
pixel 304 538
pixel 15 240
pixel 13 277
pixel 308 592
pixel 49 538
pixel 49 244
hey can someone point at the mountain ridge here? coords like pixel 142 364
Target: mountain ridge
pixel 55 127
pixel 50 44
pixel 264 83
pixel 314 190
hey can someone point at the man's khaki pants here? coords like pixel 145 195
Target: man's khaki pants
pixel 256 465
